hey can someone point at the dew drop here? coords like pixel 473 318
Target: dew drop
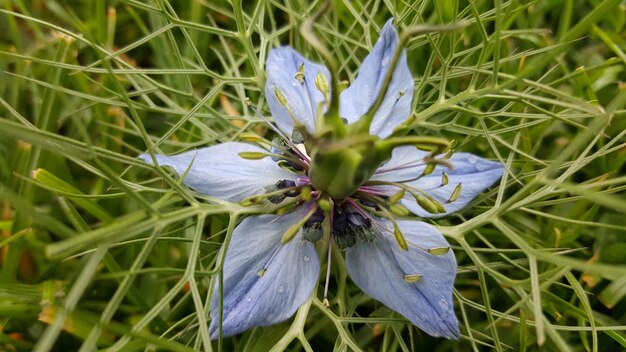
pixel 306 258
pixel 443 304
pixel 281 289
pixel 481 166
pixel 248 299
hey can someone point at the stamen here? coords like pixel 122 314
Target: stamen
pixel 263 270
pixel 430 167
pixel 439 250
pixel 281 98
pixel 324 204
pixel 261 155
pixel 321 82
pixel 408 165
pixel 300 74
pixel 399 210
pixel 455 194
pixel 254 155
pixel 399 236
pixel 248 102
pixel 373 191
pixel 305 193
pixel 276 193
pixel 444 179
pixel 396 197
pixel 397 233
pixel 293 230
pixel 251 137
pixel 429 204
pixel 412 278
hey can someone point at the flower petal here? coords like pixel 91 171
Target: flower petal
pixel 291 272
pixel 357 99
pixel 220 172
pixel 379 269
pixel 303 99
pixel 474 173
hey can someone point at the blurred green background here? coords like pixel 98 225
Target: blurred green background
pixel 101 251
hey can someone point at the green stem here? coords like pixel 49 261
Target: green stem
pixel 332 115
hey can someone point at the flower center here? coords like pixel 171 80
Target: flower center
pixel 348 226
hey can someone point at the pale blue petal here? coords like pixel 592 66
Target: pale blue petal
pixel 290 277
pixel 360 96
pixel 303 98
pixel 474 173
pixel 379 268
pixel 220 172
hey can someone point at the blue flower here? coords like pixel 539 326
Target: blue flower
pixel 270 270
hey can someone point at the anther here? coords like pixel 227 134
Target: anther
pixel 430 167
pixel 253 155
pixel 399 210
pixel 305 193
pixel 412 278
pixel 439 250
pixel 293 230
pixel 430 205
pixel 300 74
pixel 250 137
pixel 444 179
pixel 262 272
pixel 324 204
pixel 321 82
pixel 396 197
pixel 400 237
pixel 455 194
pixel 281 97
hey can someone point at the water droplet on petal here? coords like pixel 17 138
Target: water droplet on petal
pixel 444 304
pixel 281 289
pixel 481 167
pixel 248 299
pixel 306 258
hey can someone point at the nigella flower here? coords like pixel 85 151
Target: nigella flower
pixel 353 184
